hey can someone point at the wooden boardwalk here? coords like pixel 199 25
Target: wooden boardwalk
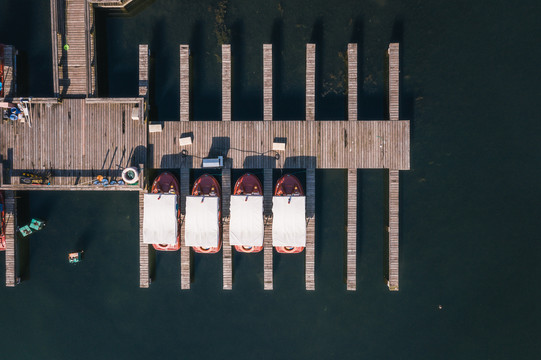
pixel 310 81
pixel 394 75
pixel 143 70
pixel 268 251
pixel 184 83
pixel 321 144
pixel 310 229
pixel 185 251
pixel 351 260
pixel 267 81
pixel 76 140
pixel 227 251
pixel 226 82
pixel 393 229
pixel 10 75
pixel 71 24
pixel 352 82
pixel 144 249
pixel 11 238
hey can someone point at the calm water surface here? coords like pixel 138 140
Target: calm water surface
pixel 469 205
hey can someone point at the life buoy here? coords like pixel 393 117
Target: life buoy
pixel 130 175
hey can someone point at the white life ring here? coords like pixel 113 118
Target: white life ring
pixel 130 175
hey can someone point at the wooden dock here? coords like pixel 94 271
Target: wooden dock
pixel 144 249
pixel 352 82
pixel 310 81
pixel 267 81
pixel 185 251
pixel 11 238
pixel 10 72
pixel 268 252
pixel 394 85
pixel 143 70
pixel 227 251
pixel 184 83
pixel 351 260
pixel 226 82
pixel 310 229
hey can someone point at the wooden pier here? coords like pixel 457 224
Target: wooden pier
pixel 185 251
pixel 267 234
pixel 76 136
pixel 310 229
pixel 310 81
pixel 184 83
pixel 227 251
pixel 11 238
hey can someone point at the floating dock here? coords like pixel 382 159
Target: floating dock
pixel 76 136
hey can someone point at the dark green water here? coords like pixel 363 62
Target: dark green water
pixel 469 206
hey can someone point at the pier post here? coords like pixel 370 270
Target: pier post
pixel 351 276
pixel 144 250
pixel 310 228
pixel 11 238
pixel 310 81
pixel 184 83
pixel 267 235
pixel 352 82
pixel 227 251
pixel 226 82
pixel 185 251
pixel 267 81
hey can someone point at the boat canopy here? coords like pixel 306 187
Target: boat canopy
pixel 160 223
pixel 289 221
pixel 202 221
pixel 246 224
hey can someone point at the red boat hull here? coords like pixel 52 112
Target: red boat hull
pixel 207 185
pixel 289 185
pixel 3 226
pixel 167 183
pixel 248 184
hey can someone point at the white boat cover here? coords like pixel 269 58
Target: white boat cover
pixel 202 221
pixel 289 221
pixel 246 223
pixel 160 223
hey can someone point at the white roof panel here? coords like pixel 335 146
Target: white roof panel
pixel 160 223
pixel 202 221
pixel 246 222
pixel 289 221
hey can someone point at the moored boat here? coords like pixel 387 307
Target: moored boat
pixel 246 223
pixel 203 216
pixel 3 225
pixel 289 216
pixel 162 214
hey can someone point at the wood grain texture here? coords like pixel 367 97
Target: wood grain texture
pixel 11 238
pixel 310 81
pixel 351 260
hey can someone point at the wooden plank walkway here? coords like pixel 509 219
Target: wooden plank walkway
pixel 310 81
pixel 226 82
pixel 11 238
pixel 393 229
pixel 267 235
pixel 144 265
pixel 352 82
pixel 76 141
pixel 143 70
pixel 351 260
pixel 321 144
pixel 310 256
pixel 74 67
pixel 56 41
pixel 184 83
pixel 227 251
pixel 267 81
pixel 394 75
pixel 10 74
pixel 185 251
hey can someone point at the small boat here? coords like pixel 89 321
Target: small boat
pixel 3 226
pixel 289 216
pixel 203 216
pixel 246 226
pixel 75 257
pixel 165 187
